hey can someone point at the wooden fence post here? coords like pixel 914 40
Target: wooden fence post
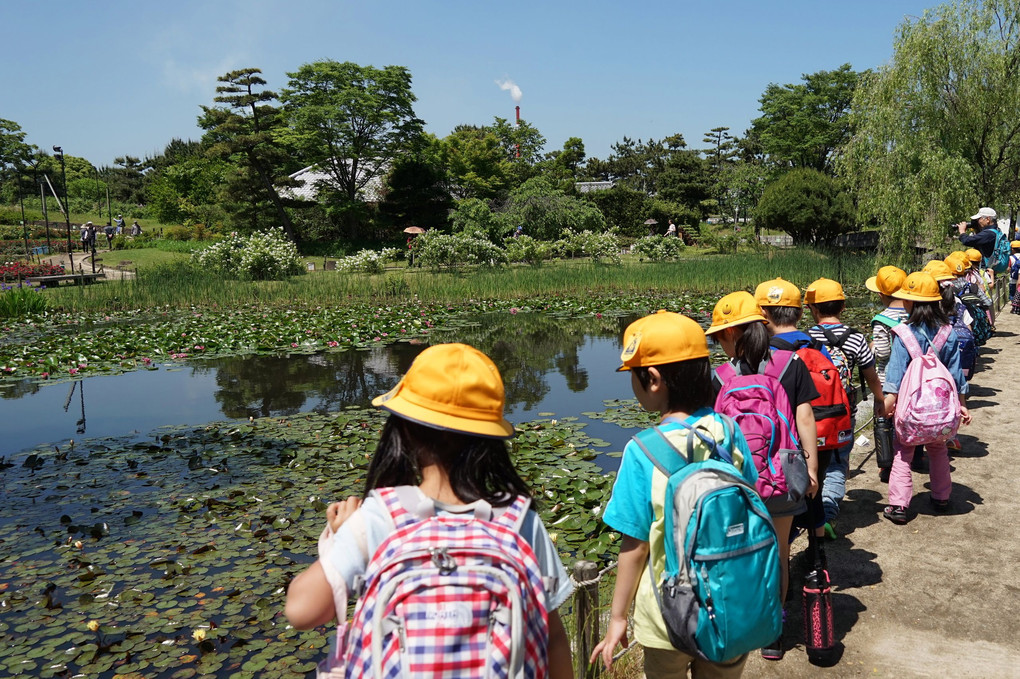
pixel 586 616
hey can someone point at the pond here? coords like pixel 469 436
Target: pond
pixel 552 367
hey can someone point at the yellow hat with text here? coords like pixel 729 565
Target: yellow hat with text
pixel 736 308
pixel 661 338
pixel 777 292
pixel 957 262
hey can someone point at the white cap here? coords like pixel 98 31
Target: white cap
pixel 986 212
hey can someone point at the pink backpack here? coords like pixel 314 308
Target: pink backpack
pixel 928 405
pixel 450 596
pixel 760 407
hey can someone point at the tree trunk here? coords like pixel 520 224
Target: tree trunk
pixel 288 227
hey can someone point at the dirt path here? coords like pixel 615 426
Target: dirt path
pixel 106 261
pixel 940 596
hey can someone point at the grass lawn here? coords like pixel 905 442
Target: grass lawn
pixel 139 259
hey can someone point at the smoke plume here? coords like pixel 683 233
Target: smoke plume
pixel 510 85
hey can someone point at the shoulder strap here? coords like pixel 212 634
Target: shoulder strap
pixel 763 369
pixel 941 337
pixel 834 340
pixel 725 372
pixel 885 320
pixel 785 345
pixel 692 432
pixel 906 336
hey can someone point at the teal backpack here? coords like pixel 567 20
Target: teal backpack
pixel 720 591
pixel 999 261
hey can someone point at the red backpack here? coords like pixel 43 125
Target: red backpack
pixel 832 407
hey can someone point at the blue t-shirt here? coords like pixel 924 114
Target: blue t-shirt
pixel 353 545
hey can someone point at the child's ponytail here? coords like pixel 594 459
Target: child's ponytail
pixel 752 346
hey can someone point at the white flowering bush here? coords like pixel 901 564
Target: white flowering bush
pixel 527 250
pixel 436 250
pixel 601 247
pixel 659 248
pixel 367 261
pixel 262 256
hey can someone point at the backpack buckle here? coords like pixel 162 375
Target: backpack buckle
pixel 443 561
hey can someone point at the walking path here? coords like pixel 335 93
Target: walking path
pixel 108 265
pixel 940 596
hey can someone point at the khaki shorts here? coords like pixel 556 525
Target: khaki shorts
pixel 661 663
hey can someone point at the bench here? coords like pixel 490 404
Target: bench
pixel 76 278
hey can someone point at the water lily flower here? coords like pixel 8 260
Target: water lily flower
pixel 293 345
pixel 73 371
pixel 514 310
pixel 93 625
pixel 198 635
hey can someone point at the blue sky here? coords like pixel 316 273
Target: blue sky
pixel 109 78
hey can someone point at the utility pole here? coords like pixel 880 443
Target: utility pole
pixel 24 224
pixel 45 215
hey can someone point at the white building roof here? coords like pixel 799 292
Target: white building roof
pixel 313 177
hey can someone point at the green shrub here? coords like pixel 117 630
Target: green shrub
pixel 436 250
pixel 527 250
pixel 178 233
pixel 659 248
pixel 266 255
pixel 368 261
pixel 807 204
pixel 600 247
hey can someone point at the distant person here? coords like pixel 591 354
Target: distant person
pixel 983 238
pixel 519 231
pixel 110 233
pixel 92 237
pixel 136 229
pixel 85 236
pixel 119 222
pixel 671 229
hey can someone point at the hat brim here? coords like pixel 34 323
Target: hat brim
pixel 899 294
pixel 397 405
pixel 732 324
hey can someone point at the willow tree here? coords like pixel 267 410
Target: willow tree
pixel 936 130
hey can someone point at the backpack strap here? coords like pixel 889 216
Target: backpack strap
pixel 677 456
pixel 884 320
pixel 906 336
pixel 941 337
pixel 833 339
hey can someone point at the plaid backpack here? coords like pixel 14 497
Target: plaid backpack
pixel 450 596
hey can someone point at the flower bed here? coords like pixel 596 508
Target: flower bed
pixel 16 248
pixel 16 271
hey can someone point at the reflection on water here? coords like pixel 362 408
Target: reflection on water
pixel 563 366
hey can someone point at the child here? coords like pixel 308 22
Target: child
pixel 667 357
pixel 445 436
pixel 825 300
pixel 739 326
pixel 922 302
pixel 1014 275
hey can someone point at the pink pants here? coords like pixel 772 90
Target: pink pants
pixel 901 483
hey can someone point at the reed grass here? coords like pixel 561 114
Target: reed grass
pixel 184 284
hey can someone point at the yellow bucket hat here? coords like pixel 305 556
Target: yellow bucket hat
pixel 663 337
pixel 777 292
pixel 958 263
pixel 973 254
pixel 823 290
pixel 453 387
pixel 887 281
pixel 736 308
pixel 939 270
pixel 1014 244
pixel 919 287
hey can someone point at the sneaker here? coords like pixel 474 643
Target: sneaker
pixel 830 529
pixel 940 506
pixel 896 514
pixel 953 443
pixel 774 651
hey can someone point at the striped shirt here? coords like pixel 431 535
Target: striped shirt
pixel 855 348
pixel 881 338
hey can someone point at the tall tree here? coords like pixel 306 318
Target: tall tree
pixel 244 131
pixel 416 188
pixel 351 120
pixel 126 179
pixel 720 154
pixel 936 129
pixel 803 124
pixel 15 154
pixel 476 162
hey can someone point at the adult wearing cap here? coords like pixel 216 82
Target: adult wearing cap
pixel 983 237
pixel 443 448
pixel 923 301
